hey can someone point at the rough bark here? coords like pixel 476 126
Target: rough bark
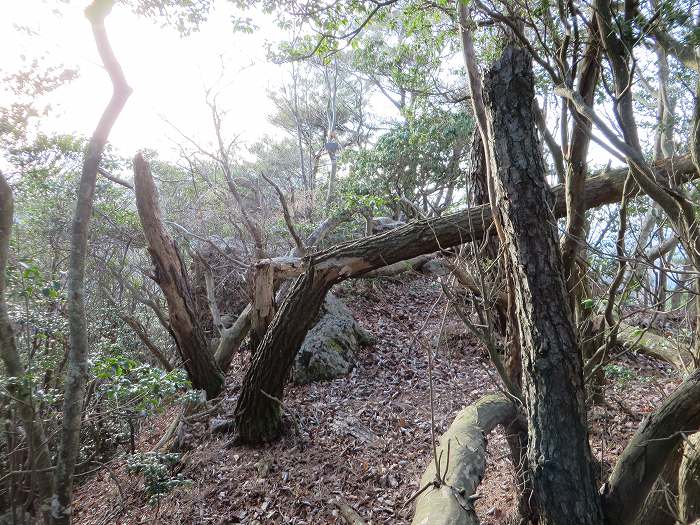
pixel 462 456
pixel 356 258
pixel 171 276
pixel 19 388
pixel 259 408
pixel 689 481
pixel 76 374
pixel 648 452
pixel 558 451
pixel 256 412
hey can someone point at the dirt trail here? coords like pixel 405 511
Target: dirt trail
pixel 363 439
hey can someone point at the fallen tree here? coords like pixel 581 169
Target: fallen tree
pixel 259 405
pixel 446 497
pixel 654 345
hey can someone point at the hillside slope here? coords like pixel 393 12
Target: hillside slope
pixel 364 439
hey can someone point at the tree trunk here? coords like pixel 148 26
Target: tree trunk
pixel 21 389
pixel 462 460
pixel 74 389
pixel 574 238
pixel 259 406
pixel 262 301
pixel 171 276
pixel 355 258
pixel 506 324
pixel 648 452
pixel 660 507
pixel 689 481
pixel 558 451
pixel 330 193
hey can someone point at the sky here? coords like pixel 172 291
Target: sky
pixel 168 73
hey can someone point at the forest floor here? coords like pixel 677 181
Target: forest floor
pixel 364 439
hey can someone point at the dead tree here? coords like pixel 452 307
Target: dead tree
pixel 447 493
pixel 171 276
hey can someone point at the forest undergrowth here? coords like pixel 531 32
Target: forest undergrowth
pixel 361 441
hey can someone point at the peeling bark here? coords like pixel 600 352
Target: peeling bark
pixel 262 301
pixel 171 276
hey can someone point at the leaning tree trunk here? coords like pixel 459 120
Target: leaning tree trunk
pixel 649 451
pixel 256 416
pixel 689 481
pixel 660 507
pixel 171 276
pixel 76 375
pixel 558 451
pixel 259 407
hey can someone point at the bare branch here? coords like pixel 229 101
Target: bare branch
pixel 287 217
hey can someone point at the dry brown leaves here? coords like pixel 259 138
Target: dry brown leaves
pixel 363 440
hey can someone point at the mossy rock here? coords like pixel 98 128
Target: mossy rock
pixel 328 351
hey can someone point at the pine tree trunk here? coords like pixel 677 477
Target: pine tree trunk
pixel 257 421
pixel 259 408
pixel 506 324
pixel 558 451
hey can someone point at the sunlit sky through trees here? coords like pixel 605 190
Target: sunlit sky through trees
pixel 168 73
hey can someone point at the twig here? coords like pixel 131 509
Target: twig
pixel 287 217
pixel 349 514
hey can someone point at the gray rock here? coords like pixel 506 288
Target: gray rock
pixel 220 425
pixel 383 224
pixel 328 351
